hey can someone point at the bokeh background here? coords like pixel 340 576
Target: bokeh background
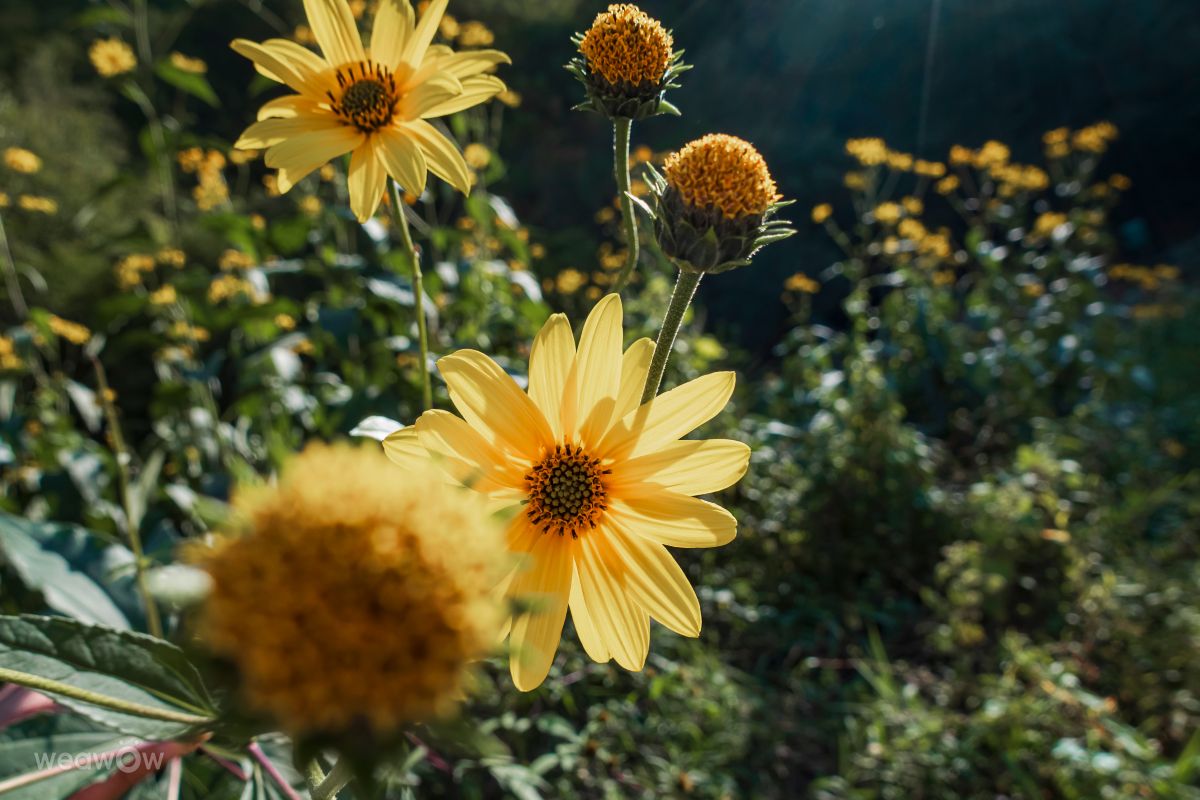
pixel 968 555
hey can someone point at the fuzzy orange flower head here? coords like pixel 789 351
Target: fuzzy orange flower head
pixel 373 102
pixel 597 484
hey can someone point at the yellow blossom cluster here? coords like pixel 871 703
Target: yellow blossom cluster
pixel 1015 178
pixel 164 296
pixel 929 169
pixel 346 599
pixel 569 281
pixel 73 332
pixel 8 355
pixel 18 159
pixel 1148 278
pixel 188 64
pixel 285 322
pixel 112 57
pixel 947 185
pixel 1093 139
pixel 193 333
pixel 131 269
pixel 477 156
pixel 888 213
pixel 475 34
pixel 227 287
pixel 37 204
pixel 870 151
pixel 235 261
pixel 722 172
pixel 802 283
pixel 211 189
pixel 822 212
pixel 927 242
pixel 1048 222
pixel 627 46
pixel 171 257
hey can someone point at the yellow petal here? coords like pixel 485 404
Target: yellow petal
pixel 436 90
pixel 333 26
pixel 668 416
pixel 622 624
pixel 598 368
pixel 635 365
pixel 403 448
pixel 476 90
pixel 403 159
pixel 367 179
pixel 300 155
pixel 414 53
pixel 550 363
pixel 657 582
pixel 315 71
pixel 441 155
pixel 490 400
pixel 393 25
pixel 546 584
pixel 270 64
pixel 290 105
pixel 465 64
pixel 689 467
pixel 269 132
pixel 585 628
pixel 467 456
pixel 675 519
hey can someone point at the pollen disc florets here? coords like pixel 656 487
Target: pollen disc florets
pixel 566 491
pixel 627 46
pixel 368 96
pixel 722 172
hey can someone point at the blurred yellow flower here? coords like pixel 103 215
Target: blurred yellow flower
pixel 599 483
pixel 9 359
pixel 73 332
pixel 1034 290
pixel 888 213
pixel 899 161
pixel 642 154
pixel 344 597
pixel 475 34
pixel 186 64
pixel 310 205
pixel 243 156
pixel 1048 222
pixel 477 156
pixel 18 159
pixel 38 204
pixel 537 251
pixel 171 256
pixel 870 151
pixel 821 212
pixel 449 27
pixel 131 268
pixel 225 287
pixel 947 184
pixel 4 201
pixel 802 283
pixel 232 260
pixel 569 281
pixel 961 156
pixel 112 57
pixel 944 277
pixel 1120 182
pixel 374 106
pixel 164 296
pixel 285 322
pixel 929 169
pixel 193 333
pixel 912 205
pixel 625 45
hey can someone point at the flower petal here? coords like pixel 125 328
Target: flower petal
pixel 622 623
pixel 290 105
pixel 269 132
pixel 467 456
pixel 675 519
pixel 333 26
pixel 635 365
pixel 657 582
pixel 467 63
pixel 414 53
pixel 403 159
pixel 441 155
pixel 490 400
pixel 316 71
pixel 268 63
pixel 404 449
pixel 367 179
pixel 598 368
pixel 689 467
pixel 550 363
pixel 668 416
pixel 535 633
pixel 394 22
pixel 300 155
pixel 476 90
pixel 585 627
pixel 438 89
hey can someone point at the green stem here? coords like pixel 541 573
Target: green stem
pixel 11 279
pixel 685 290
pixel 314 776
pixel 338 777
pixel 418 292
pixel 40 684
pixel 621 128
pixel 132 526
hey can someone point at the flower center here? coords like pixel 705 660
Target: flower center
pixel 368 95
pixel 566 491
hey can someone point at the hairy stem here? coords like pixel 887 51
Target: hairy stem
pixel 621 128
pixel 685 290
pixel 418 292
pixel 40 684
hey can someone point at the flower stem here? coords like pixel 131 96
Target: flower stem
pixel 132 526
pixel 418 291
pixel 11 280
pixel 40 684
pixel 338 777
pixel 685 290
pixel 621 128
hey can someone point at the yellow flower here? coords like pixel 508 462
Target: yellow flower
pixel 373 102
pixel 225 287
pixel 960 155
pixel 598 482
pixel 992 153
pixel 869 152
pixel 73 332
pixel 171 256
pixel 131 268
pixel 164 296
pixel 902 162
pixel 1048 222
pixel 569 281
pixel 4 201
pixel 722 172
pixel 475 34
pixel 193 65
pixel 929 169
pixel 232 260
pixel 1120 182
pixel 111 57
pixel 310 205
pixel 285 322
pixel 888 213
pixel 802 283
pixel 822 212
pixel 477 155
pixel 947 184
pixel 854 180
pixel 36 203
pixel 18 159
pixel 912 205
pixel 351 599
pixel 449 27
pixel 627 46
pixel 944 277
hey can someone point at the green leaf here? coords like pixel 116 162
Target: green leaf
pixel 189 82
pixel 64 589
pixel 32 753
pixel 131 667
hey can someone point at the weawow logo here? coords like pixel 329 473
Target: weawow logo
pixel 126 759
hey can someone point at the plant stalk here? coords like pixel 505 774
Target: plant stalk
pixel 418 291
pixel 621 128
pixel 40 684
pixel 681 298
pixel 338 777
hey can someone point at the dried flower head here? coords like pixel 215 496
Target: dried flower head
pixel 625 45
pixel 352 600
pixel 722 172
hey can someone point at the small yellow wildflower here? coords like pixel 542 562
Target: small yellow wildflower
pixel 1034 290
pixel 4 200
pixel 477 156
pixel 1048 222
pixel 112 57
pixel 1056 136
pixel 172 257
pixel 822 212
pixel 258 222
pixel 131 268
pixel 902 162
pixel 243 156
pixel 348 598
pixel 802 283
pixel 37 204
pixel 961 156
pixel 911 229
pixel 537 251
pixel 870 152
pixel 225 287
pixel 232 260
pixel 642 154
pixel 191 159
pixel 855 181
pixel 183 330
pixel 929 169
pixel 569 281
pixel 888 213
pixel 449 27
pixel 285 322
pixel 475 34
pixel 992 153
pixel 73 332
pixel 186 64
pixel 18 159
pixel 9 360
pixel 627 46
pixel 912 205
pixel 164 296
pixel 1120 182
pixel 724 173
pixel 310 205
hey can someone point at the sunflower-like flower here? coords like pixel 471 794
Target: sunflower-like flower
pixel 714 204
pixel 349 602
pixel 372 102
pixel 627 63
pixel 597 483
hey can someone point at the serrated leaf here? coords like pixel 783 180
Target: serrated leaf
pixel 190 82
pixel 33 755
pixel 65 589
pixel 130 667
